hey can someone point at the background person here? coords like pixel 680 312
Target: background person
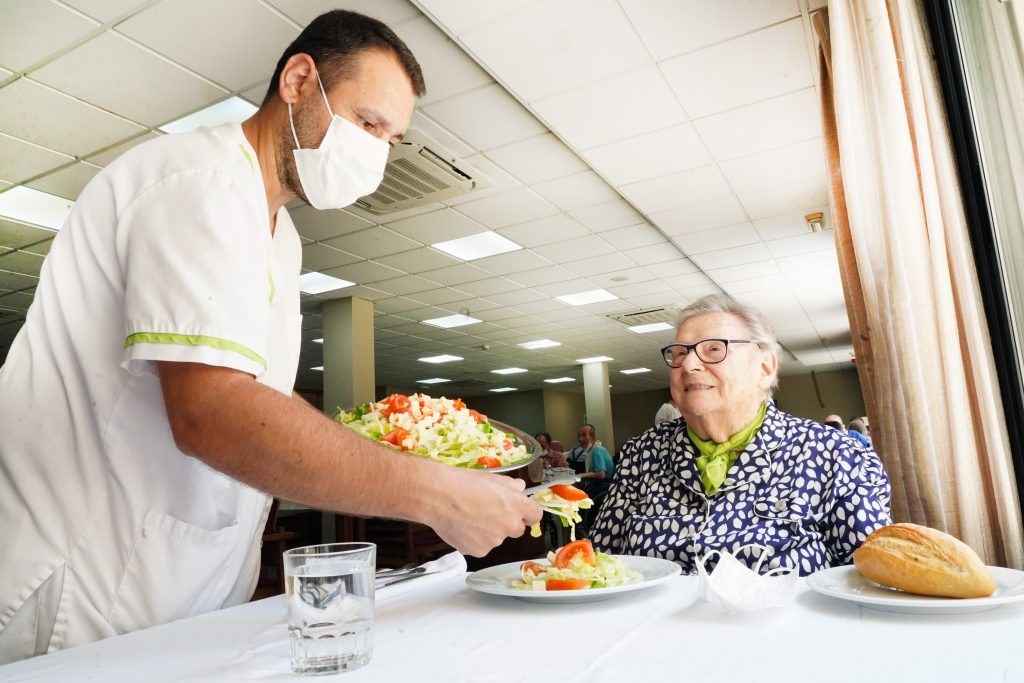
pixel 667 413
pixel 551 456
pixel 741 471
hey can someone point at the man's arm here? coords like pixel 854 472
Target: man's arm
pixel 282 445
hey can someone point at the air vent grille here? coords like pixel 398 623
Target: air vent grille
pixel 665 314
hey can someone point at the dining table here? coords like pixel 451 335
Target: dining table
pixel 438 628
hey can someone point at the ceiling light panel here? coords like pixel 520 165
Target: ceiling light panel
pixel 590 297
pixel 317 283
pixel 444 358
pixel 476 246
pixel 450 321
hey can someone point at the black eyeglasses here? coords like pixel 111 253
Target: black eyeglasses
pixel 708 350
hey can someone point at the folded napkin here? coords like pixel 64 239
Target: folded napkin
pixel 442 569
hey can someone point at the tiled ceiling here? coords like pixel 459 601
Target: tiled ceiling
pixel 658 149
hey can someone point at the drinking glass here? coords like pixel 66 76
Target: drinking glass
pixel 330 606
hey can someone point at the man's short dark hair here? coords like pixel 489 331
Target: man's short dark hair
pixel 544 434
pixel 335 39
pixel 834 425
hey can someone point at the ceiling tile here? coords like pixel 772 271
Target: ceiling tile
pixel 765 125
pixel 743 272
pixel 23 44
pixel 717 238
pixel 365 272
pixel 321 257
pixel 36 113
pixel 23 262
pixel 508 208
pixel 544 305
pixel 489 287
pixel 754 284
pixel 662 152
pixel 698 217
pixel 559 56
pixel 397 304
pixel 459 15
pixel 599 264
pixel 486 117
pixel 789 224
pixel 542 231
pixel 669 298
pixel 542 276
pixel 436 226
pixel 781 65
pixel 686 281
pixel 389 11
pixel 407 285
pixel 373 242
pixel 67 182
pixel 773 183
pixel 110 71
pixel 233 58
pixel 41 248
pixel 457 275
pixel 17 235
pixel 629 291
pixel 418 260
pixel 512 262
pixel 802 244
pixel 673 27
pixel 633 236
pixel 576 191
pixel 575 249
pixel 537 159
pixel 655 253
pixel 679 189
pixel 437 297
pixel 20 160
pixel 108 155
pixel 517 297
pixel 731 257
pixel 106 10
pixel 681 266
pixel 322 225
pixel 16 281
pixel 450 71
pixel 617 214
pixel 606 111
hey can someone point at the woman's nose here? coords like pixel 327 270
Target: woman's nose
pixel 690 361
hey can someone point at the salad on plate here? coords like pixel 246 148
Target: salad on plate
pixel 576 566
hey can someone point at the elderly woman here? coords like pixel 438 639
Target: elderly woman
pixel 736 472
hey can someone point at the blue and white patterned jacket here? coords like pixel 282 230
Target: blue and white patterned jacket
pixel 811 493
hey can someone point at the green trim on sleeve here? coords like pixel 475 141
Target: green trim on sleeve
pixel 248 157
pixel 273 289
pixel 192 340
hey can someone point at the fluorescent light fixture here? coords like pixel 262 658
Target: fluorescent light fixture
pixel 225 111
pixel 318 341
pixel 445 358
pixel 477 246
pixel 595 359
pixel 318 283
pixel 452 321
pixel 539 344
pixel 318 368
pixel 32 206
pixel 559 380
pixel 583 298
pixel 432 380
pixel 508 371
pixel 634 371
pixel 502 390
pixel 653 327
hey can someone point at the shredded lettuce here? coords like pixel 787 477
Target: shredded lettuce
pixel 607 571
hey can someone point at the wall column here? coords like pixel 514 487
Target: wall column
pixel 599 403
pixel 348 353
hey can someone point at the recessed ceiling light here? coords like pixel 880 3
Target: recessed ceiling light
pixel 317 283
pixel 318 368
pixel 318 341
pixel 595 359
pixel 583 298
pixel 652 327
pixel 231 109
pixel 508 371
pixel 452 321
pixel 32 206
pixel 432 380
pixel 559 380
pixel 634 371
pixel 477 246
pixel 445 358
pixel 501 390
pixel 539 344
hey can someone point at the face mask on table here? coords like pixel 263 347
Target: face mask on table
pixel 348 164
pixel 737 588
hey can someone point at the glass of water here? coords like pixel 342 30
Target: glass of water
pixel 330 606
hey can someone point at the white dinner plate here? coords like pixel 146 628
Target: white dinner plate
pixel 498 581
pixel 846 583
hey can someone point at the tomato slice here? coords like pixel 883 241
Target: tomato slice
pixel 565 584
pixel 488 461
pixel 397 403
pixel 532 567
pixel 477 416
pixel 395 437
pixel 582 548
pixel 458 404
pixel 568 492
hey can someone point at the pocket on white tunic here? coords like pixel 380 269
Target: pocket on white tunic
pixel 176 570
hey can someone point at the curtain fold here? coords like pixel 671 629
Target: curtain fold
pixel 919 331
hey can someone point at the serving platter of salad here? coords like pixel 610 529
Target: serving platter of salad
pixel 575 573
pixel 443 429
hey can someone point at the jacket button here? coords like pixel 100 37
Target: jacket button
pixel 780 505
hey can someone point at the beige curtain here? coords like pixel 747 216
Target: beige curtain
pixel 920 335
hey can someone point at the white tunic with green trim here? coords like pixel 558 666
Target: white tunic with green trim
pixel 107 527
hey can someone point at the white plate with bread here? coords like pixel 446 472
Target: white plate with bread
pixel 918 570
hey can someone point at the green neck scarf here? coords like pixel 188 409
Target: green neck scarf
pixel 715 459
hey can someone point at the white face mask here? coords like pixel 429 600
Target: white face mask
pixel 737 588
pixel 348 164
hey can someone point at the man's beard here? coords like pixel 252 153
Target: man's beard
pixel 307 129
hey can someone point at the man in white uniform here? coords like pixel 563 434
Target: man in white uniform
pixel 147 403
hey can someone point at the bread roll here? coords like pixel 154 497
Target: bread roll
pixel 921 560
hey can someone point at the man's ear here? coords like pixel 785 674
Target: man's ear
pixel 298 74
pixel 769 368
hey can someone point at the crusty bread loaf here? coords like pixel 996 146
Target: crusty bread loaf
pixel 921 560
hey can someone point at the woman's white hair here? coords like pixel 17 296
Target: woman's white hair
pixel 760 329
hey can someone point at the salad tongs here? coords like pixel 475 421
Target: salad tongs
pixel 565 479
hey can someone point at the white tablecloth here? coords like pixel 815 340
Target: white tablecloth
pixel 447 632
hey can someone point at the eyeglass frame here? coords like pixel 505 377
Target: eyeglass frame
pixel 693 347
